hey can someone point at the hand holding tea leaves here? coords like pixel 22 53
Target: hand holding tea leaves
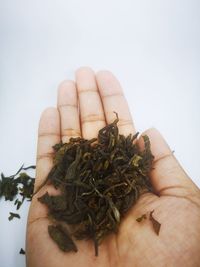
pixel 174 202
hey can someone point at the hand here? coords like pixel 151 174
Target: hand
pixel 176 203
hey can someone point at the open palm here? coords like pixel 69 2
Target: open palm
pixel 84 107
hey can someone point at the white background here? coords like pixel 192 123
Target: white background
pixel 151 46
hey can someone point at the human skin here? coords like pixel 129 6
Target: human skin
pixel 176 202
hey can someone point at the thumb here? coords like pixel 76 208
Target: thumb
pixel 167 175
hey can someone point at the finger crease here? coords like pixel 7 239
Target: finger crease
pixel 170 187
pixel 186 197
pixel 70 132
pixel 92 118
pixel 163 157
pixel 82 91
pixel 30 222
pixel 46 155
pixel 48 134
pixel 125 123
pixel 113 95
pixel 68 105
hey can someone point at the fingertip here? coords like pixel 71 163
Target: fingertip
pixel 67 94
pixel 65 84
pixel 106 78
pixel 49 121
pixel 84 70
pixel 108 84
pixel 159 146
pixel 49 113
pixel 104 74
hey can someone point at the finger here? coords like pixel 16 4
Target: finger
pixel 113 100
pixel 68 109
pixel 48 135
pixel 91 109
pixel 167 176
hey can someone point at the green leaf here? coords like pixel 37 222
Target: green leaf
pixel 13 215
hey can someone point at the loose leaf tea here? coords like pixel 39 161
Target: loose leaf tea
pixel 14 185
pixel 141 218
pixel 22 251
pixel 156 224
pixel 99 180
pixel 18 184
pixel 61 236
pixel 13 215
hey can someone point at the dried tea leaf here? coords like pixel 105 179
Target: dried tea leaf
pixel 136 160
pixel 13 215
pixel 114 209
pixel 22 251
pixel 141 218
pixel 8 188
pixel 30 167
pixel 56 203
pixel 61 238
pixel 17 183
pixel 18 203
pixel 155 223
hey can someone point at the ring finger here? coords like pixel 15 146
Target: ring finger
pixel 91 109
pixel 68 109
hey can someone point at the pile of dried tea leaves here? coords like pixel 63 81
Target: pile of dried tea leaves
pixel 99 180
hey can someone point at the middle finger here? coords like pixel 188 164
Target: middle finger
pixel 91 109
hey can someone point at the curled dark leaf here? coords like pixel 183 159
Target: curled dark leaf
pixel 17 187
pixel 22 251
pixel 141 218
pixel 155 223
pixel 13 215
pixel 62 238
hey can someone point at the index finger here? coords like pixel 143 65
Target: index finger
pixel 48 136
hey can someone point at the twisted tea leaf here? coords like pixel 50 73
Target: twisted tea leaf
pixel 22 251
pixel 141 218
pixel 13 215
pixel 62 238
pixel 19 182
pixel 155 223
